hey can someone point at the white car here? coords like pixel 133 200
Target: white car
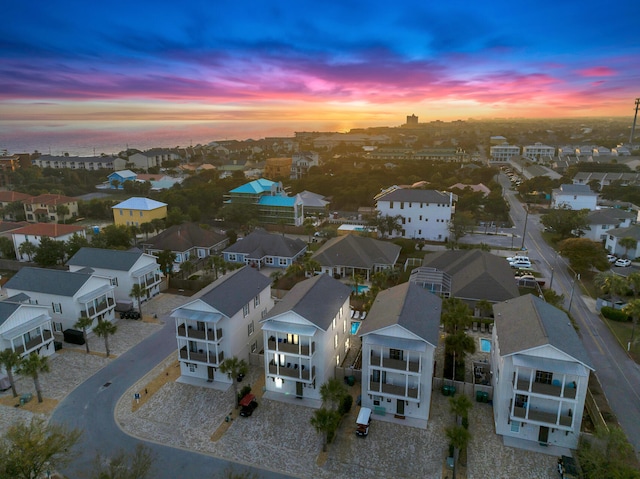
pixel 622 263
pixel 518 258
pixel 611 258
pixel 520 264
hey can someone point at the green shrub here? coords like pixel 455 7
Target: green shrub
pixel 345 404
pixel 614 314
pixel 244 391
pixel 408 246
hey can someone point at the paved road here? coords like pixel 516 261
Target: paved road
pixel 619 375
pixel 91 406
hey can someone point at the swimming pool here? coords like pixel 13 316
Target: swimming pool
pixel 362 288
pixel 485 345
pixel 354 326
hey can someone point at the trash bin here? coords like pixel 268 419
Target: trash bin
pixel 448 390
pixel 482 396
pixel 351 380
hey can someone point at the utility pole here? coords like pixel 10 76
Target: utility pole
pixel 633 127
pixel 524 231
pixel 573 285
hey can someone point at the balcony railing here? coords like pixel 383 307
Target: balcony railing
pixel 291 348
pixel 205 335
pixel 546 389
pixel 201 356
pixel 374 387
pixel 33 343
pixel 548 418
pixel 292 372
pixel 399 364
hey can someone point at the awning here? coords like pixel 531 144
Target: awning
pixel 396 343
pixel 195 315
pixel 96 293
pixel 289 328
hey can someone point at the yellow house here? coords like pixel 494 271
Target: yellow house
pixel 136 211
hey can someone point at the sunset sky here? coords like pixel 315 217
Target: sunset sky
pixel 350 60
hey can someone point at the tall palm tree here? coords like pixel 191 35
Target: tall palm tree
pixel 458 345
pixel 632 308
pixel 147 228
pixel 612 284
pixel 484 308
pixel 459 438
pixel 456 315
pixel 187 267
pixel 628 243
pixel 83 323
pixel 104 329
pixel 325 422
pixel 332 393
pixel 459 406
pixel 138 291
pixel 10 360
pixel 234 367
pixel 32 366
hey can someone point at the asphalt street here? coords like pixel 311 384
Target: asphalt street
pixel 90 407
pixel 619 375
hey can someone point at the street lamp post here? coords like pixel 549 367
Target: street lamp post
pixel 551 281
pixel 573 285
pixel 524 231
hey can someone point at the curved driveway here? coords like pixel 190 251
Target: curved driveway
pixel 90 407
pixel 619 375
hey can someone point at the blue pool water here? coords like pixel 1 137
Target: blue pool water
pixel 354 326
pixel 485 345
pixel 361 288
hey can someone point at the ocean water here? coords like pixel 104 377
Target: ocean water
pixel 89 138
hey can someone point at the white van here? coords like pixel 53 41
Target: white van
pixel 363 421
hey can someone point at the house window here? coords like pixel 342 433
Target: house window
pixel 263 314
pixel 338 360
pixel 254 346
pixel 268 260
pixel 256 301
pixel 250 328
pixel 333 323
pixel 344 325
pixel 402 205
pixel 515 426
pixel 192 368
pixel 346 346
pixel 141 214
pixel 114 281
pixel 130 212
pixel 121 213
pixel 335 342
pixel 391 205
pixel 232 257
pixel 283 261
pixel 544 377
pixel 57 327
pixel 57 307
pixel 396 354
pixel 245 310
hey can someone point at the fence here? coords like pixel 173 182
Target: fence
pixel 594 411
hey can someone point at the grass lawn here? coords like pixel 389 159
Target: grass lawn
pixel 622 331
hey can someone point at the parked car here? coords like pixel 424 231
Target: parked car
pixel 518 257
pixel 248 404
pixel 133 314
pixel 522 264
pixel 612 258
pixel 622 262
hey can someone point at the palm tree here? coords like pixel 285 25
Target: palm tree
pixel 104 329
pixel 459 406
pixel 311 266
pixel 9 360
pixel 325 422
pixel 27 248
pixel 309 227
pixel 456 315
pixel 459 438
pixel 83 323
pixel 187 267
pixel 632 308
pixel 332 393
pixel 627 243
pixel 147 228
pixel 158 224
pixel 234 367
pixel 62 211
pixel 33 365
pixel 611 284
pixel 484 308
pixel 138 291
pixel 458 345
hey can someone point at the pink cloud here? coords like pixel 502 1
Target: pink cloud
pixel 597 72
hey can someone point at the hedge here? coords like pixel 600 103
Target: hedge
pixel 614 314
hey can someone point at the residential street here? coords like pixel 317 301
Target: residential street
pixel 619 375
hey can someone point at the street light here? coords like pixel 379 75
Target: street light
pixel 573 285
pixel 524 231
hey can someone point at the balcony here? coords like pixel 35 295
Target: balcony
pixel 548 418
pixel 374 387
pixel 292 372
pixel 546 389
pixel 201 356
pixel 399 364
pixel 291 348
pixel 207 335
pixel 33 343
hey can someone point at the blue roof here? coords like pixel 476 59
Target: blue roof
pixel 257 186
pixel 136 203
pixel 277 201
pixel 124 174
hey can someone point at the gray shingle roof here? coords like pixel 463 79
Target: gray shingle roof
pixel 571 189
pixel 475 274
pixel 407 305
pixel 316 299
pixel 6 310
pixel 232 294
pixel 424 196
pixel 184 237
pixel 104 258
pixel 529 322
pixel 50 281
pixel 630 231
pixel 357 252
pixel 608 216
pixel 261 243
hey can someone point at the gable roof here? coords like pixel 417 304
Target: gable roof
pixel 312 200
pixel 316 299
pixel 608 216
pixel 6 310
pixel 571 189
pixel 407 305
pixel 11 196
pixel 124 174
pixel 475 274
pixel 261 243
pixel 52 230
pixel 50 199
pixel 356 251
pixel 10 225
pixel 261 185
pixel 105 258
pixel 629 231
pixel 50 281
pixel 184 237
pixel 137 203
pixel 417 195
pixel 529 322
pixel 236 290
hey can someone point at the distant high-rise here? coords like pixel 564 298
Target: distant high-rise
pixel 412 120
